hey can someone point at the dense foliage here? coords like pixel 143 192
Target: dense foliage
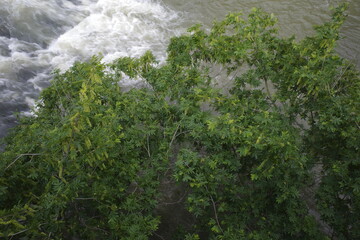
pixel 273 156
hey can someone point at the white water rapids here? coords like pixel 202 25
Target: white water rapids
pixel 37 36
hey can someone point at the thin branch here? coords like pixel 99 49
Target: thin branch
pixel 357 124
pixel 148 146
pixel 22 155
pixel 235 75
pixel 215 211
pixel 82 221
pixel 312 117
pixel 182 133
pixel 134 190
pixel 159 236
pixel 267 89
pixel 299 125
pixel 173 137
pixel 178 201
pixel 12 235
pixel 341 75
pixel 85 198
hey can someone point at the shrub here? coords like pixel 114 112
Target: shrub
pixel 91 161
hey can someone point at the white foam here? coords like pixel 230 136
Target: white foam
pixel 117 28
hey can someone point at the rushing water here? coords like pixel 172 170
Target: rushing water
pixel 37 36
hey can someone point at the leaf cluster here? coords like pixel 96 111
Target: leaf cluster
pixel 276 156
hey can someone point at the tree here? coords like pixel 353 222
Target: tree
pixel 91 162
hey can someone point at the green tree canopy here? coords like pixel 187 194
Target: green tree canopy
pixel 273 156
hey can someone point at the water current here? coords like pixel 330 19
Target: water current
pixel 37 36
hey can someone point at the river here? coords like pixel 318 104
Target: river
pixel 37 36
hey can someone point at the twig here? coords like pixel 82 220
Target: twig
pixel 85 198
pixel 22 155
pixel 178 201
pixel 12 235
pixel 182 133
pixel 341 75
pixel 357 124
pixel 93 228
pixel 134 190
pixel 148 146
pixel 215 212
pixel 173 137
pixel 159 236
pixel 235 74
pixel 267 89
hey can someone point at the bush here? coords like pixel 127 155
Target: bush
pixel 91 162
